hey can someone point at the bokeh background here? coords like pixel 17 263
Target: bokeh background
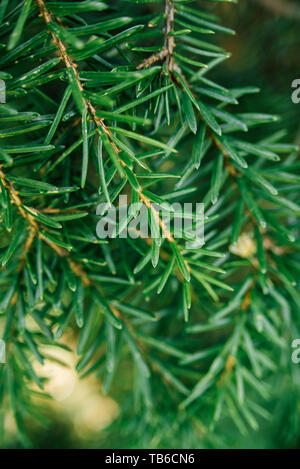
pixel 265 53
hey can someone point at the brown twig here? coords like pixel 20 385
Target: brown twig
pixel 166 53
pixel 33 231
pixel 15 199
pixel 228 165
pixel 70 64
pixel 169 43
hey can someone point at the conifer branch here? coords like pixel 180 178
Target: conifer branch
pixel 190 326
pixel 166 54
pixel 70 64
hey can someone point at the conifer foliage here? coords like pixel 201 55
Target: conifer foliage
pixel 119 97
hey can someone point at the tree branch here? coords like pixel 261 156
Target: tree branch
pixel 69 63
pixel 169 42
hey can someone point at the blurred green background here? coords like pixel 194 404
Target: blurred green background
pixel 265 53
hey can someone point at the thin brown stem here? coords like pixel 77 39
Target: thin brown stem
pixel 33 227
pixel 15 199
pixel 166 53
pixel 169 43
pixel 70 64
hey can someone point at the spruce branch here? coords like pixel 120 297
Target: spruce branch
pixel 69 63
pixel 166 53
pixel 133 113
pixel 34 231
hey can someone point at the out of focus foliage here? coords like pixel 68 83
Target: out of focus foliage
pixel 174 347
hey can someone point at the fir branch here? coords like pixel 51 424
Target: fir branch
pixel 70 64
pixel 126 300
